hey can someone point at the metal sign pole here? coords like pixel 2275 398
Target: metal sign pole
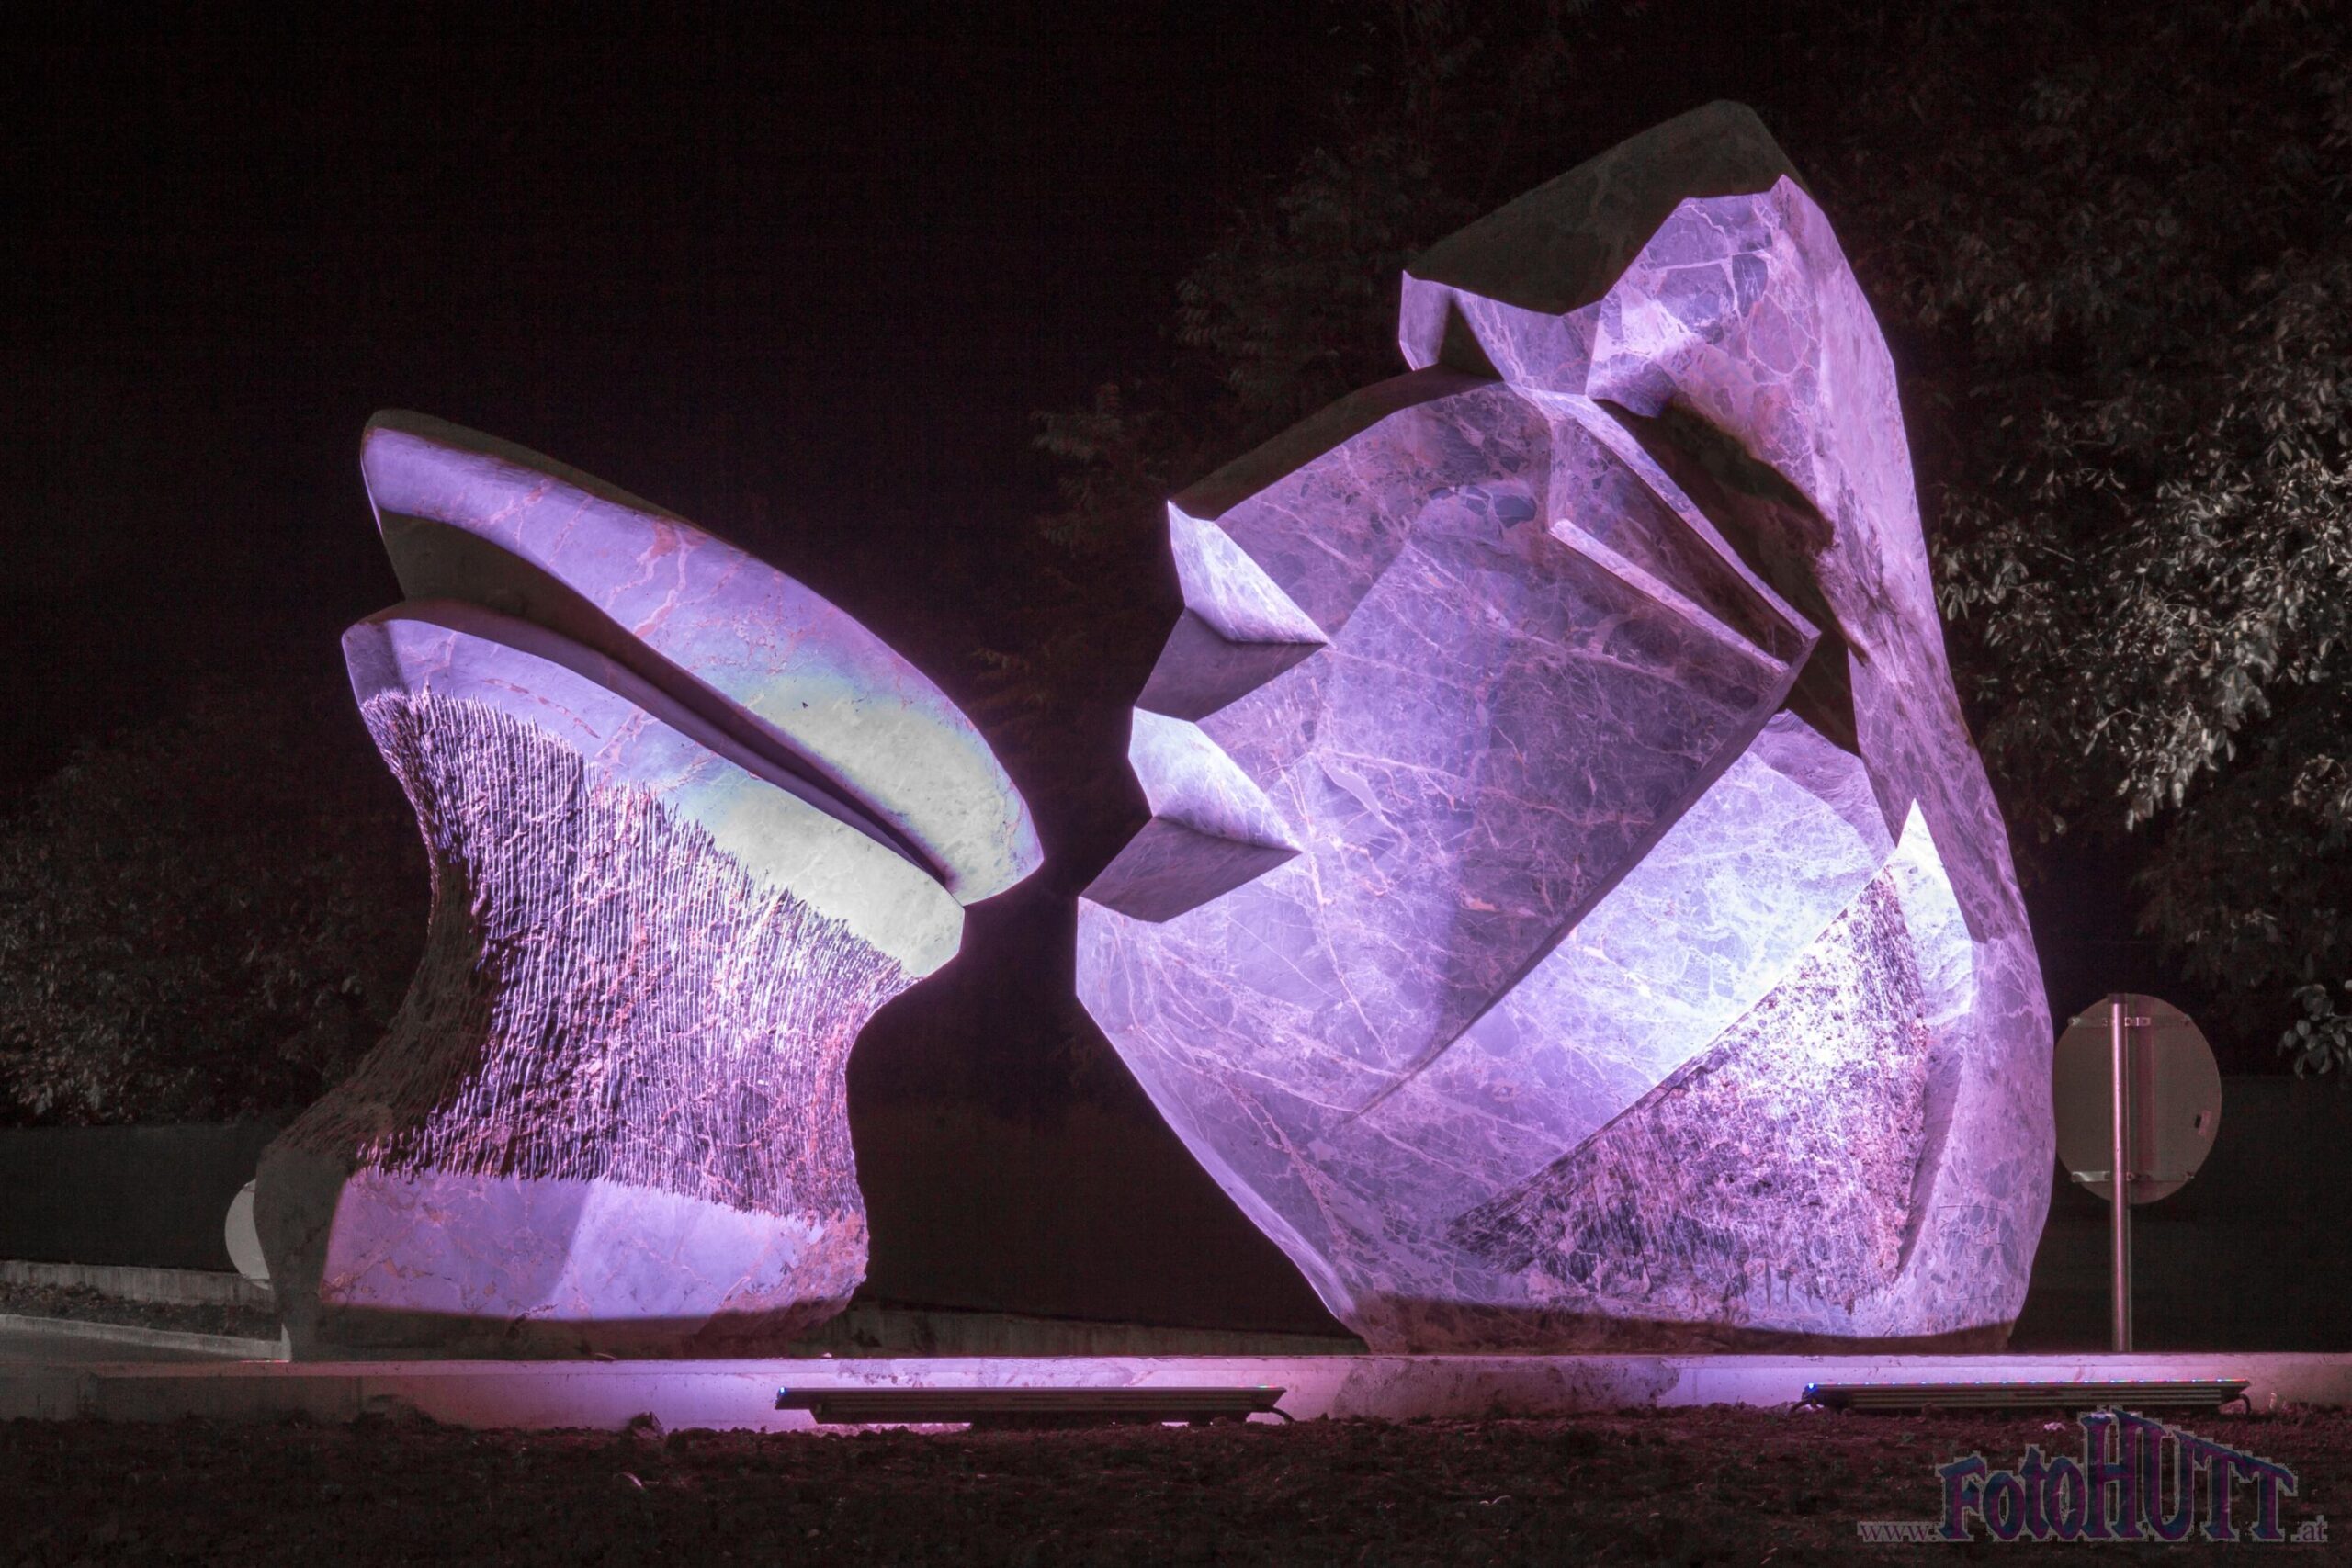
pixel 2137 1100
pixel 2120 1169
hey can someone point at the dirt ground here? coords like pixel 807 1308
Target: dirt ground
pixel 1709 1486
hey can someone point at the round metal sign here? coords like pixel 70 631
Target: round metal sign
pixel 243 1241
pixel 2176 1096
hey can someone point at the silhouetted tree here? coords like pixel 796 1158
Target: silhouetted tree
pixel 2121 237
pixel 206 917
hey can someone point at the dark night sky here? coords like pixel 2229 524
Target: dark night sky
pixel 805 282
pixel 805 285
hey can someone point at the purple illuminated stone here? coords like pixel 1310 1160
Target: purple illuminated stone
pixel 467 516
pixel 689 827
pixel 1573 912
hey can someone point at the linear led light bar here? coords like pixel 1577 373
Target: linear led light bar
pixel 1029 1407
pixel 2136 1394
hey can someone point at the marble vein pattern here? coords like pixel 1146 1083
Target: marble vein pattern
pixel 688 826
pixel 1573 913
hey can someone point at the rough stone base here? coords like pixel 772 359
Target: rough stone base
pixel 389 1265
pixel 611 1116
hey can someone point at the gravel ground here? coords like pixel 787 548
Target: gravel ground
pixel 93 1306
pixel 1711 1486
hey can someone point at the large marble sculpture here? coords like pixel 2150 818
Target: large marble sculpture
pixel 1573 913
pixel 689 826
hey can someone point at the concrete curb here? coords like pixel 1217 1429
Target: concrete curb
pixel 223 1344
pixel 741 1394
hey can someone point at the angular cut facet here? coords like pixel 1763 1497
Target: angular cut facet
pixel 1651 968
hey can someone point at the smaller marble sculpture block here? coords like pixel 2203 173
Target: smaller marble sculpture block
pixel 689 826
pixel 1573 914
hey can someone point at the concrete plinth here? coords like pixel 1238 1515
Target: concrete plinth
pixel 742 1395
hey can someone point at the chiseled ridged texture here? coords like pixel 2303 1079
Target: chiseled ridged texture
pixel 1783 1157
pixel 606 998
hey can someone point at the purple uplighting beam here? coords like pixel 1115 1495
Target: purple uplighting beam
pixel 1573 914
pixel 689 827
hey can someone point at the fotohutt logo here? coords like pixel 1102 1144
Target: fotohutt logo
pixel 2138 1479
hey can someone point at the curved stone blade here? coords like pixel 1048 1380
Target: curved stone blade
pixel 468 517
pixel 689 826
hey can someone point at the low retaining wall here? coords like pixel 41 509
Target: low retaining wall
pixel 1094 1220
pixel 148 1197
pixel 170 1287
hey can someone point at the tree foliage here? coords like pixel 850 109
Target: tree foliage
pixel 2123 239
pixel 203 917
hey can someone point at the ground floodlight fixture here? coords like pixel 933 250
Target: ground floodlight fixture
pixel 1032 1406
pixel 2025 1393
